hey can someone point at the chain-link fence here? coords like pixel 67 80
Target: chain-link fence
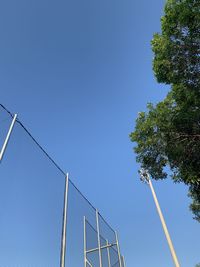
pixel 45 221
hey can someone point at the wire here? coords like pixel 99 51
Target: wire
pixel 6 110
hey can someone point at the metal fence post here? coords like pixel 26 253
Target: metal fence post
pixel 85 256
pixel 98 236
pixel 118 249
pixel 123 259
pixel 108 252
pixel 64 223
pixel 7 137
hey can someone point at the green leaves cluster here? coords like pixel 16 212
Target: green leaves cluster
pixel 167 135
pixel 177 48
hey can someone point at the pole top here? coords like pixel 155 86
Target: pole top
pixel 144 175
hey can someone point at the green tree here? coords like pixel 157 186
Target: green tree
pixel 197 265
pixel 167 135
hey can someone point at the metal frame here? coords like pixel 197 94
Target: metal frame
pixel 64 225
pixel 102 247
pixel 7 137
pixel 86 261
pixel 99 248
pixel 64 219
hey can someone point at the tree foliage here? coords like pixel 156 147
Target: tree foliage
pixel 177 48
pixel 167 135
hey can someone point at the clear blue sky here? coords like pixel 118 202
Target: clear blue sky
pixel 77 73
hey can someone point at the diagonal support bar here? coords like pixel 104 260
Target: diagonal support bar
pixel 88 262
pixel 7 137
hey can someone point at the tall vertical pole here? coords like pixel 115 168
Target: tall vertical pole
pixel 7 137
pixel 118 249
pixel 99 240
pixel 108 253
pixel 64 223
pixel 123 259
pixel 175 259
pixel 85 256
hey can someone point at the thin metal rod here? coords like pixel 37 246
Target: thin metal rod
pixel 89 263
pixel 108 253
pixel 172 250
pixel 123 259
pixel 102 247
pixel 85 256
pixel 64 225
pixel 118 249
pixel 7 137
pixel 98 236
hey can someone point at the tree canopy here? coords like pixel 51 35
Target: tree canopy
pixel 167 135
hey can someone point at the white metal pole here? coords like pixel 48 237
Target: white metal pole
pixel 7 137
pixel 123 259
pixel 172 250
pixel 85 255
pixel 64 225
pixel 118 249
pixel 98 236
pixel 89 263
pixel 108 252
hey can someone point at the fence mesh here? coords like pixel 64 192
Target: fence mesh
pixel 31 210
